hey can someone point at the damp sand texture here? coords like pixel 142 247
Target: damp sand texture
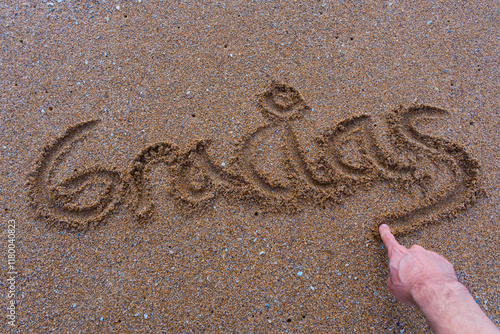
pixel 223 167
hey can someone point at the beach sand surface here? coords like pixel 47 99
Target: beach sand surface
pixel 222 166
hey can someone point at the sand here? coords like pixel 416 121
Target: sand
pixel 224 167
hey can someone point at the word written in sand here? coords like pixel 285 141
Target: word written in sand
pixel 349 157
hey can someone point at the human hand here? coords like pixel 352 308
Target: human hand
pixel 415 272
pixel 428 281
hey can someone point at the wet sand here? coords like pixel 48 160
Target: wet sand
pixel 223 167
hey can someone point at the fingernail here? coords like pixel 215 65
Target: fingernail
pixel 383 225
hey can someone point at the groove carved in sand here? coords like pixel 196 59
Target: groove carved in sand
pixel 350 157
pixel 60 203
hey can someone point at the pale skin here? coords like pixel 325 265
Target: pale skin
pixel 428 281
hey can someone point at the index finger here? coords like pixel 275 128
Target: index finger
pixel 389 240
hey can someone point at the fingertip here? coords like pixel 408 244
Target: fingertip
pixel 383 226
pixel 387 238
pixel 384 230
